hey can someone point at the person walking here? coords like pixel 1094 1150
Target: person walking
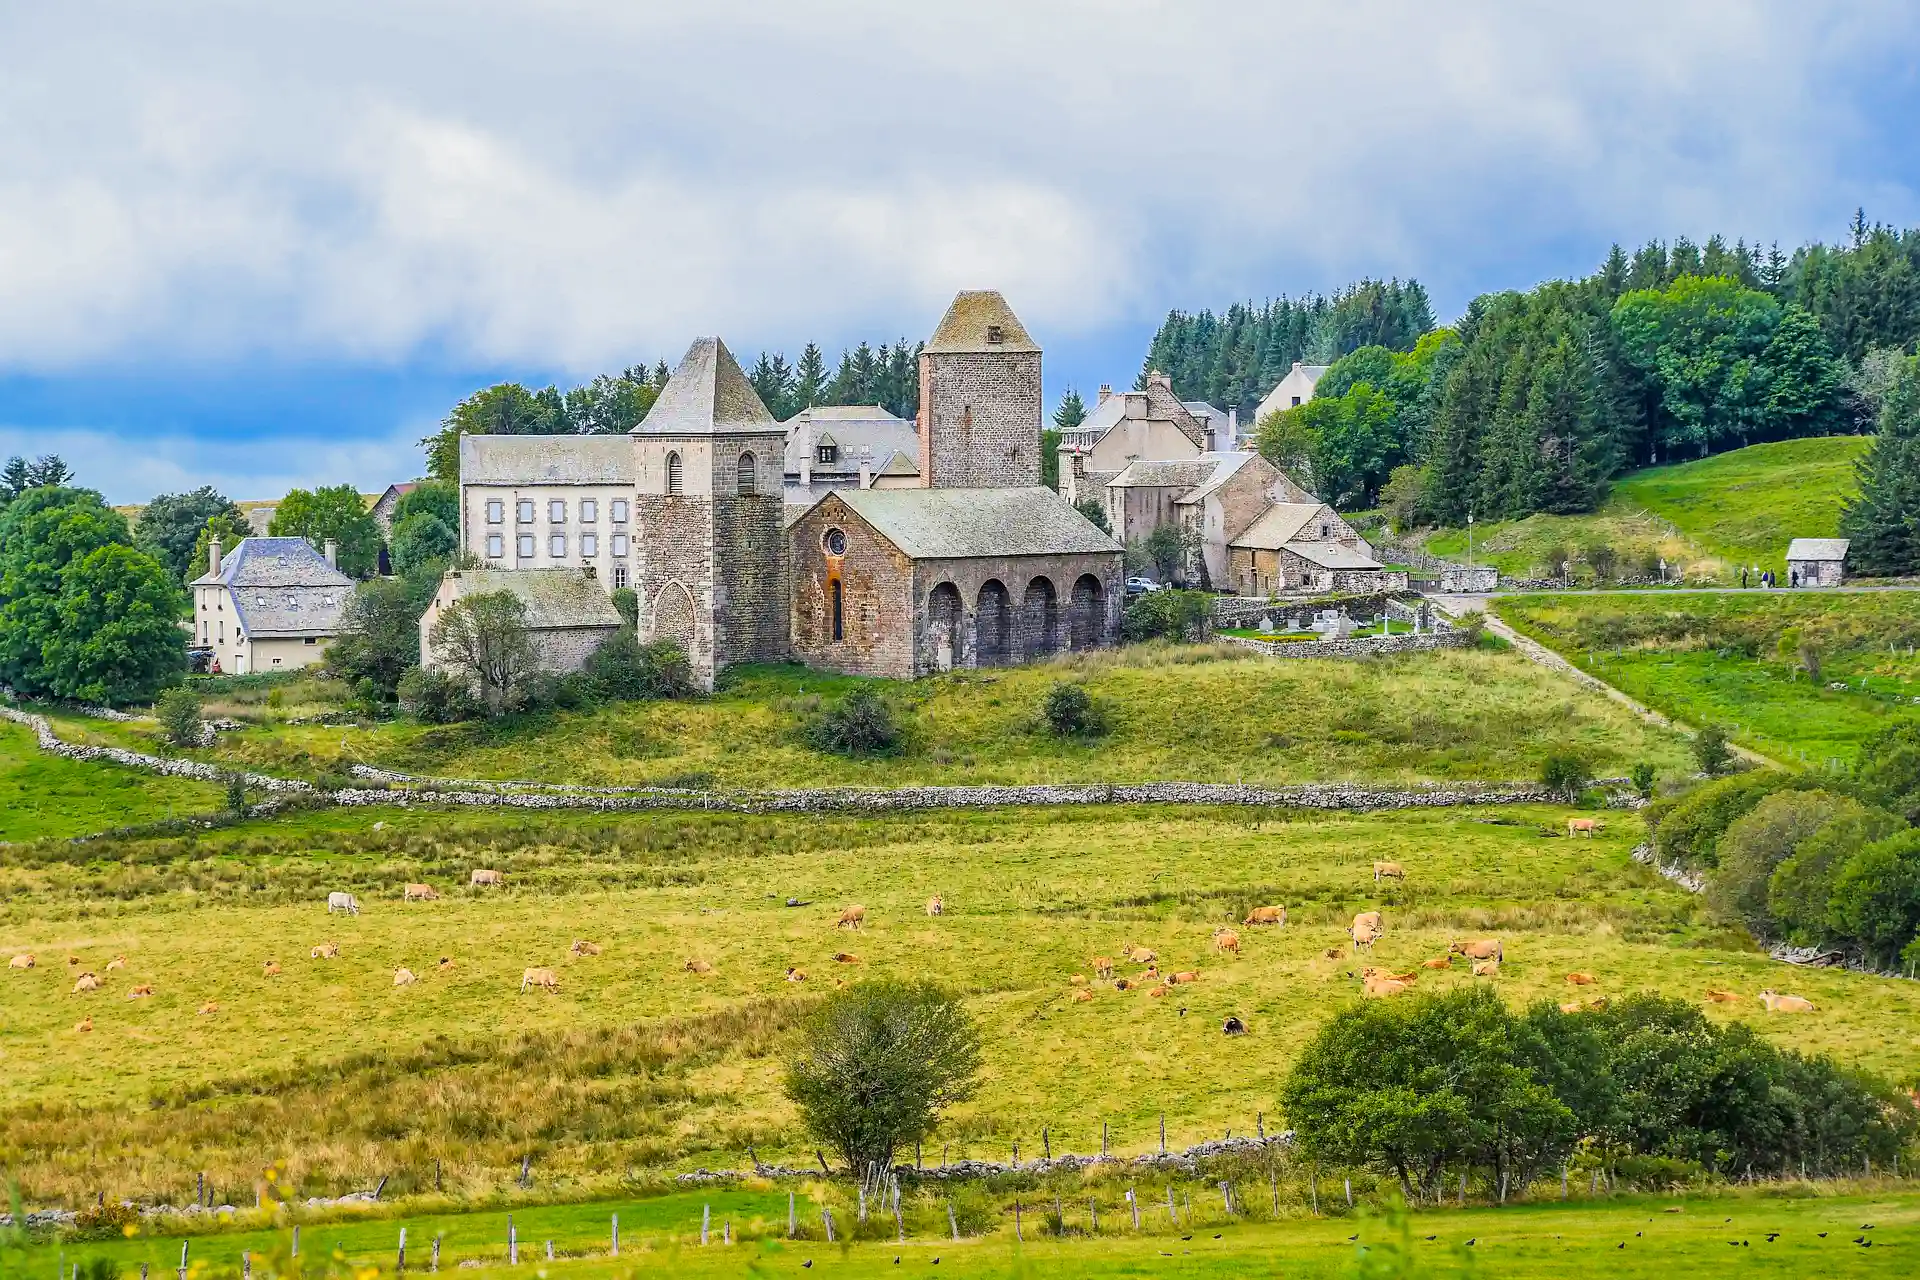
pixel 1743 577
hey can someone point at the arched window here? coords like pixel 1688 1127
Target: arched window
pixel 674 475
pixel 746 476
pixel 839 612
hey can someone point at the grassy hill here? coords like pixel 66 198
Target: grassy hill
pixel 1705 518
pixel 44 795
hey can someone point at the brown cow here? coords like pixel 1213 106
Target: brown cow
pixel 86 982
pixel 326 951
pixel 1124 984
pixel 1443 962
pixel 118 962
pixel 1723 997
pixel 420 893
pixel 851 918
pixel 935 905
pixel 84 1025
pixel 1185 976
pixel 796 975
pixel 1777 1003
pixel 1103 966
pixel 22 961
pixel 581 947
pixel 486 875
pixel 1589 825
pixel 1480 949
pixel 1366 930
pixel 1142 955
pixel 141 992
pixel 698 966
pixel 1082 996
pixel 208 1008
pixel 1581 979
pixel 845 957
pixel 1376 971
pixel 1226 940
pixel 543 977
pixel 1157 992
pixel 270 969
pixel 1388 871
pixel 1266 915
pixel 404 977
pixel 1486 968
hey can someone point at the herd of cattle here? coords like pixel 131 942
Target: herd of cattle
pixel 1483 955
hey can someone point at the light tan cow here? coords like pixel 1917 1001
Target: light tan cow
pixel 1366 930
pixel 698 966
pixel 935 905
pixel 1185 976
pixel 404 977
pixel 270 969
pixel 1388 871
pixel 84 1025
pixel 209 1008
pixel 1444 962
pixel 86 982
pixel 141 992
pixel 486 875
pixel 1777 1003
pixel 796 975
pixel 1377 971
pixel 1103 966
pixel 1077 980
pixel 118 962
pixel 1479 949
pixel 1266 915
pixel 1723 997
pixel 1226 940
pixel 1578 826
pixel 851 918
pixel 1581 979
pixel 845 957
pixel 1571 1006
pixel 1486 968
pixel 326 951
pixel 543 978
pixel 22 961
pixel 581 947
pixel 1082 996
pixel 1380 988
pixel 1142 955
pixel 421 893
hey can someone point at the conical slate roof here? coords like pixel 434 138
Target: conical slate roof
pixel 707 395
pixel 971 321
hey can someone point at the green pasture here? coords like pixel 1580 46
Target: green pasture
pixel 45 795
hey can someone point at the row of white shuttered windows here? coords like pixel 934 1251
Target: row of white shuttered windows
pixel 526 543
pixel 556 511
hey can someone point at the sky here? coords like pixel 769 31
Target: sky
pixel 261 246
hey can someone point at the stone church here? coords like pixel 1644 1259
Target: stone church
pixel 977 565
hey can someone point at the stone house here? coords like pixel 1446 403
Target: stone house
pixel 909 582
pixel 832 447
pixel 549 502
pixel 1816 562
pixel 382 508
pixel 1123 428
pixel 1214 497
pixel 1304 546
pixel 569 614
pixel 1292 391
pixel 270 604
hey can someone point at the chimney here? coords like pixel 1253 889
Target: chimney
pixel 213 554
pixel 806 449
pixel 332 553
pixel 1233 427
pixel 1106 393
pixel 866 468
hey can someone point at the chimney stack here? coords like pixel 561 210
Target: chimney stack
pixel 806 449
pixel 1159 379
pixel 332 553
pixel 1233 426
pixel 213 554
pixel 1106 393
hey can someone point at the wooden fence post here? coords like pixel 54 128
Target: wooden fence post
pixel 435 1264
pixel 616 1235
pixel 296 1241
pixel 706 1220
pixel 246 1266
pixel 549 1251
pixel 1103 1139
pixel 183 1260
pixel 1163 1133
pixel 861 1190
pixel 1563 1179
pixel 1349 1182
pixel 792 1223
pixel 1046 1143
pixel 400 1261
pixel 1093 1215
pixel 1016 1223
pixel 1133 1202
pixel 1173 1214
pixel 513 1243
pixel 953 1223
pixel 826 1216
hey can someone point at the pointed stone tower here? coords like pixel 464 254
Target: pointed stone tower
pixel 712 557
pixel 980 398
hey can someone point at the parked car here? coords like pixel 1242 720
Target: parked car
pixel 1141 586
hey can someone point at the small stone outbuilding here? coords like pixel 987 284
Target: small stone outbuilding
pixel 910 582
pixel 1816 562
pixel 1304 546
pixel 569 613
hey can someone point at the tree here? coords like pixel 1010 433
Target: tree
pixel 1071 712
pixel 222 526
pixel 1050 458
pixel 611 405
pixel 1565 773
pixel 1180 616
pixel 507 409
pixel 379 638
pixel 1170 549
pixel 48 471
pixel 880 1061
pixel 1887 770
pixel 338 514
pixel 1802 885
pixel 178 711
pixel 1070 412
pixel 860 724
pixel 810 378
pixel 1094 510
pixel 1883 521
pixel 483 639
pixel 1757 843
pixel 1876 897
pixel 169 528
pixel 16 477
pixel 1400 496
pixel 1710 750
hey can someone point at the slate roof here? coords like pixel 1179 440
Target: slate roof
pixel 281 587
pixel 1331 555
pixel 1278 525
pixel 954 524
pixel 1226 466
pixel 964 327
pixel 556 599
pixel 851 428
pixel 533 460
pixel 1165 473
pixel 707 395
pixel 1161 407
pixel 1817 549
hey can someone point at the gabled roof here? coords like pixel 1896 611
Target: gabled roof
pixel 899 465
pixel 1331 555
pixel 281 587
pixel 1226 466
pixel 707 395
pixel 1161 407
pixel 1278 525
pixel 1817 549
pixel 1165 473
pixel 971 314
pixel 852 428
pixel 952 524
pixel 555 599
pixel 531 460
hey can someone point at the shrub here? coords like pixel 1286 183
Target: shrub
pixel 1757 843
pixel 1710 750
pixel 1643 776
pixel 1888 769
pixel 1472 625
pixel 1687 828
pixel 236 793
pixel 1564 772
pixel 1801 886
pixel 178 711
pixel 435 696
pixel 1876 897
pixel 1600 557
pixel 878 1064
pixel 379 636
pixel 626 601
pixel 1071 711
pixel 1182 616
pixel 625 670
pixel 860 724
pixel 1094 511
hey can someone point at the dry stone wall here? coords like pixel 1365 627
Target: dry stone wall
pixel 1360 647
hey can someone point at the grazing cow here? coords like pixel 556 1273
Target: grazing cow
pixel 1366 930
pixel 485 875
pixel 581 947
pixel 1082 996
pixel 1266 915
pixel 1576 826
pixel 337 901
pixel 1334 953
pixel 935 905
pixel 1777 1003
pixel 141 992
pixel 208 1009
pixel 86 982
pixel 22 961
pixel 701 966
pixel 1380 988
pixel 404 977
pixel 1142 955
pixel 1226 940
pixel 1077 980
pixel 846 957
pixel 1388 871
pixel 543 978
pixel 851 918
pixel 1723 997
pixel 1486 968
pixel 84 1025
pixel 421 893
pixel 270 969
pixel 1444 962
pixel 1103 966
pixel 1185 976
pixel 796 975
pixel 1571 1006
pixel 118 962
pixel 1233 1026
pixel 1581 979
pixel 1481 949
pixel 326 951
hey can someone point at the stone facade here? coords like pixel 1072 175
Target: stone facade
pixel 980 398
pixel 871 586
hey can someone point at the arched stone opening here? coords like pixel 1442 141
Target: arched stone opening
pixel 673 616
pixel 993 633
pixel 1087 613
pixel 1039 620
pixel 944 612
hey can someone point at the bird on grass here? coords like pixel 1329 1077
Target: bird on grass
pixel 1433 1237
pixel 1859 1239
pixel 1866 1226
pixel 1772 1236
pixel 1353 1237
pixel 1216 1235
pixel 1621 1245
pixel 1823 1235
pixel 807 1263
pixel 1474 1241
pixel 1186 1237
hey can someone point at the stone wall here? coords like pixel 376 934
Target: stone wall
pixel 983 419
pixel 751 596
pixel 1363 647
pixel 49 742
pixel 1241 611
pixel 877 605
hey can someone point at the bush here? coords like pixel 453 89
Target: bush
pixel 1472 625
pixel 626 601
pixel 1071 711
pixel 625 670
pixel 435 696
pixel 379 636
pixel 860 724
pixel 1182 616
pixel 1643 776
pixel 1564 772
pixel 1092 509
pixel 1801 886
pixel 1876 897
pixel 1687 828
pixel 879 1062
pixel 178 711
pixel 1757 843
pixel 1710 750
pixel 1888 769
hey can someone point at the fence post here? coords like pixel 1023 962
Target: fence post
pixel 183 1260
pixel 400 1262
pixel 549 1251
pixel 1103 1139
pixel 726 1231
pixel 706 1220
pixel 435 1264
pixel 1260 1125
pixel 246 1266
pixel 1046 1143
pixel 1463 1188
pixel 616 1235
pixel 1563 1179
pixel 953 1224
pixel 1133 1201
pixel 1503 1186
pixel 861 1190
pixel 1016 1223
pixel 513 1243
pixel 1173 1214
pixel 1093 1215
pixel 1163 1133
pixel 296 1241
pixel 826 1216
pixel 1349 1182
pixel 792 1223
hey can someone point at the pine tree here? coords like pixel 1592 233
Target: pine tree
pixel 1884 521
pixel 1071 412
pixel 810 378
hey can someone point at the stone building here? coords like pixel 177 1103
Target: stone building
pixel 1126 427
pixel 382 508
pixel 848 446
pixel 908 582
pixel 568 612
pixel 550 502
pixel 979 415
pixel 1214 497
pixel 1816 562
pixel 1292 391
pixel 1304 546
pixel 270 604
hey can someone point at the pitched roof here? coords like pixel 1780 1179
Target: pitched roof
pixel 528 460
pixel 1817 549
pixel 281 587
pixel 1226 466
pixel 707 395
pixel 1165 473
pixel 1331 555
pixel 555 599
pixel 852 428
pixel 1277 526
pixel 971 314
pixel 952 524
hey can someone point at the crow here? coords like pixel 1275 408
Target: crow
pixel 1772 1236
pixel 807 1263
pixel 1433 1237
pixel 1639 1233
pixel 1621 1245
pixel 1475 1240
pixel 1823 1235
pixel 1353 1237
pixel 1866 1226
pixel 1216 1235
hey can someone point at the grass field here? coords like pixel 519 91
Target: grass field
pixel 1706 518
pixel 1199 713
pixel 1630 1237
pixel 44 795
pixel 1717 658
pixel 637 1063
